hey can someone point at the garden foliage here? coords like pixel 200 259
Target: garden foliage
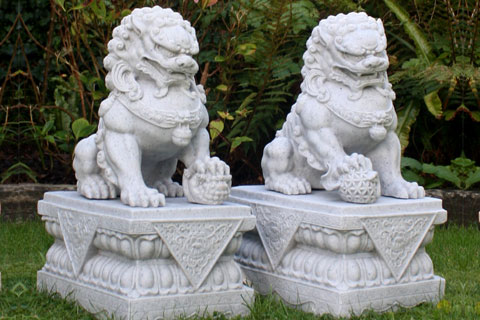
pixel 52 75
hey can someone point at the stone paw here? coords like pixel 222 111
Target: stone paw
pixel 207 182
pixel 96 187
pixel 169 188
pixel 354 162
pixel 145 197
pixel 288 184
pixel 403 189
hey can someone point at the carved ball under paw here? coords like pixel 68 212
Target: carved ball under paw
pixel 207 182
pixel 360 186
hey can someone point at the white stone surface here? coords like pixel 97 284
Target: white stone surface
pixel 153 117
pixel 325 255
pixel 145 263
pixel 340 134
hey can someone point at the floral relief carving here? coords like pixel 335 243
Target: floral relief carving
pixel 276 228
pixel 197 245
pixel 78 232
pixel 338 241
pixel 397 239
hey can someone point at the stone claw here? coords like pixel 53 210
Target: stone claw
pixel 207 182
pixel 169 188
pixel 355 162
pixel 403 189
pixel 288 184
pixel 96 187
pixel 142 197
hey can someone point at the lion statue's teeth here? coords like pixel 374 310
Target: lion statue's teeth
pixel 340 134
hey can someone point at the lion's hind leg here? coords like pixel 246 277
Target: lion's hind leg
pixel 90 182
pixel 278 168
pixel 159 176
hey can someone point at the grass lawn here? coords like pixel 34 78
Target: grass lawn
pixel 455 253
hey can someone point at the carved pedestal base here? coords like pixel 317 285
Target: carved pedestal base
pixel 328 256
pixel 145 263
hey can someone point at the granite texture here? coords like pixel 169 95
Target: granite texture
pixel 325 255
pixel 153 117
pixel 145 263
pixel 340 133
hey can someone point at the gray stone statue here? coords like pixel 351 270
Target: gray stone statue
pixel 340 134
pixel 131 262
pixel 317 252
pixel 153 117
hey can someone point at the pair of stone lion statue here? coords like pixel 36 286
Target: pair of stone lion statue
pixel 338 135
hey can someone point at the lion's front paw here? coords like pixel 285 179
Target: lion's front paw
pixel 359 183
pixel 288 184
pixel 207 182
pixel 354 162
pixel 95 186
pixel 169 189
pixel 403 189
pixel 136 196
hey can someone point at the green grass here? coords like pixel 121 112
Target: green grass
pixel 455 253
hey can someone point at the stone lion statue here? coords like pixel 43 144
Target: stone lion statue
pixel 153 117
pixel 340 134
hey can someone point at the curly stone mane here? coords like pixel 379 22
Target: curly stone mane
pixel 318 60
pixel 125 62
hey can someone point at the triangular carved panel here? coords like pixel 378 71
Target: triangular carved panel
pixel 276 228
pixel 398 238
pixel 197 245
pixel 78 232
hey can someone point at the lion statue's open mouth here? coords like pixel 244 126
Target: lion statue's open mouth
pixel 340 134
pixel 153 117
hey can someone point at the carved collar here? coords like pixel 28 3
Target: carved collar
pixel 362 119
pixel 160 118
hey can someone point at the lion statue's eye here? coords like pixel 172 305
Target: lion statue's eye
pixel 352 57
pixel 164 52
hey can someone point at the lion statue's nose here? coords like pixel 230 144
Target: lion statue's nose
pixel 373 62
pixel 185 62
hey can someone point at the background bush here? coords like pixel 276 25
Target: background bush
pixel 51 70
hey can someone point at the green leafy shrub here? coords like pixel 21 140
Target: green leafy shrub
pixel 250 59
pixel 52 75
pixel 435 55
pixel 462 173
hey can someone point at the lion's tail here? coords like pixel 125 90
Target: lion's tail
pixel 107 171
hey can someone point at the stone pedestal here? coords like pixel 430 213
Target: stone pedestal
pixel 145 263
pixel 328 256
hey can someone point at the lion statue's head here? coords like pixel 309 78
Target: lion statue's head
pixel 350 49
pixel 151 43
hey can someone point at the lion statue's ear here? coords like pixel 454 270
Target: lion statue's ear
pixel 322 33
pixel 122 78
pixel 138 21
pixel 381 30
